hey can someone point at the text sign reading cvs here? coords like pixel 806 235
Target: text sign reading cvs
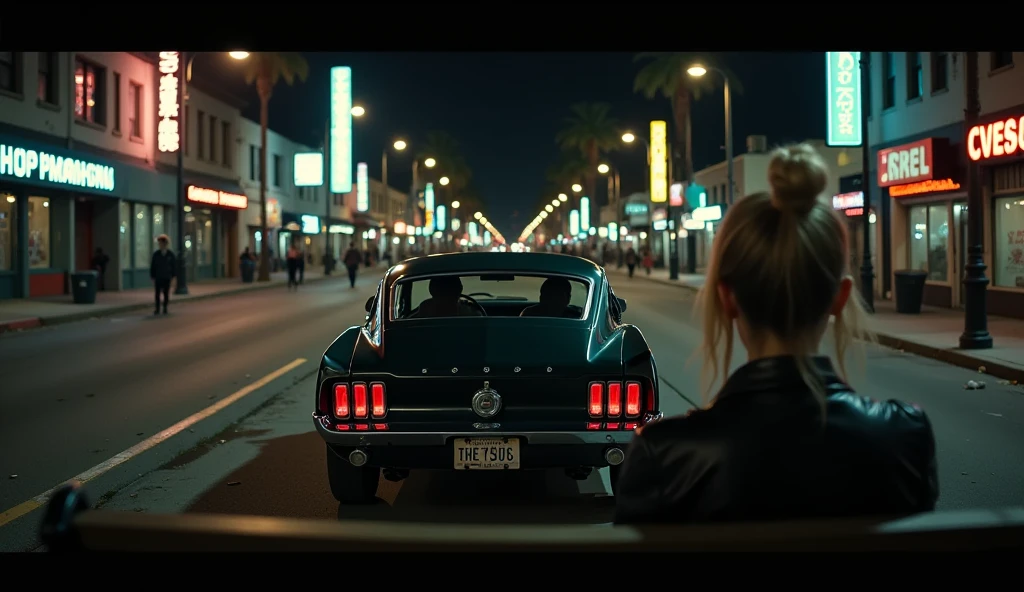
pixel 37 165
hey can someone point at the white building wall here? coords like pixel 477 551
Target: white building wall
pixel 203 162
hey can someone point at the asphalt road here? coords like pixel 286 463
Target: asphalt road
pixel 159 371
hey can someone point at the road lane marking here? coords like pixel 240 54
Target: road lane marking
pixel 118 459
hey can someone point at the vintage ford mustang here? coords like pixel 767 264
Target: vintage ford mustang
pixel 484 361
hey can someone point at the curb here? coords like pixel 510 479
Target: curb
pixel 948 356
pixel 32 323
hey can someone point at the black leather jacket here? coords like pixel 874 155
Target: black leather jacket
pixel 762 453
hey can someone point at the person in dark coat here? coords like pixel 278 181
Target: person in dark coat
pixel 99 262
pixel 161 270
pixel 352 259
pixel 786 437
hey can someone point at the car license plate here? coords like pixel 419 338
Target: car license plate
pixel 484 454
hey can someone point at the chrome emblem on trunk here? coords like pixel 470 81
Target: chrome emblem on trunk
pixel 486 401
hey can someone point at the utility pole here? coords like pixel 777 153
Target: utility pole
pixel 328 255
pixel 975 335
pixel 867 271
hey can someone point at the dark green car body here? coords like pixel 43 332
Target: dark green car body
pixel 428 371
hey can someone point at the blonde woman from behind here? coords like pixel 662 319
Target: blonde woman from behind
pixel 785 437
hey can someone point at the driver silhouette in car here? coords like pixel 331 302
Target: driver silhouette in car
pixel 445 300
pixel 555 295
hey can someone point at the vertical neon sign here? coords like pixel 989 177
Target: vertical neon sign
pixel 440 217
pixel 659 161
pixel 168 130
pixel 362 188
pixel 584 213
pixel 428 209
pixel 574 223
pixel 341 129
pixel 842 75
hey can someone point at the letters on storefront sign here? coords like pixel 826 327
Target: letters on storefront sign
pixel 908 163
pixel 27 164
pixel 932 186
pixel 997 139
pixel 217 198
pixel 845 201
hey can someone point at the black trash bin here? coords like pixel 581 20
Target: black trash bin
pixel 909 290
pixel 248 271
pixel 83 286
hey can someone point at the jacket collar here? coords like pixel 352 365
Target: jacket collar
pixel 780 373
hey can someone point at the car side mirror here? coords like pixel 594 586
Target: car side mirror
pixel 622 303
pixel 369 304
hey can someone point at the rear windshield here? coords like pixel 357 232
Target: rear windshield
pixel 497 294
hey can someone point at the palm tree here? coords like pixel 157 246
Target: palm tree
pixel 666 75
pixel 571 167
pixel 266 69
pixel 592 131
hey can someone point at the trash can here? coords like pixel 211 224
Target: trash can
pixel 248 271
pixel 909 290
pixel 83 286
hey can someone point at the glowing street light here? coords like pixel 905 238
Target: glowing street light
pixel 576 187
pixel 444 180
pixel 549 208
pixel 563 197
pixel 477 215
pixel 238 55
pixel 628 138
pixel 603 168
pixel 696 71
pixel 455 205
pixel 430 163
pixel 556 203
pixel 358 111
pixel 400 145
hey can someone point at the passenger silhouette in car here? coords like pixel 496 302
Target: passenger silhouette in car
pixel 444 301
pixel 555 295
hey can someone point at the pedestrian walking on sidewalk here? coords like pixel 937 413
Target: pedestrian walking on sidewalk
pixel 161 270
pixel 99 262
pixel 352 260
pixel 294 258
pixel 631 261
pixel 648 261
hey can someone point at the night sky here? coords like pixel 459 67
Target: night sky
pixel 505 109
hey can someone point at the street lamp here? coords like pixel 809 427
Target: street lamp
pixel 564 198
pixel 181 285
pixel 697 71
pixel 430 163
pixel 444 180
pixel 602 168
pixel 358 111
pixel 628 138
pixel 400 145
pixel 456 204
pixel 576 188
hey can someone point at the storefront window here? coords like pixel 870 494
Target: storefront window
pixel 39 232
pixel 143 240
pixel 124 239
pixel 203 237
pixel 8 232
pixel 929 240
pixel 158 223
pixel 1009 248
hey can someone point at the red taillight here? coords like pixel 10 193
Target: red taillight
pixel 593 426
pixel 614 399
pixel 595 403
pixel 633 393
pixel 359 394
pixel 341 408
pixel 377 400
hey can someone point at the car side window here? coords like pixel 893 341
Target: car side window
pixel 373 322
pixel 614 314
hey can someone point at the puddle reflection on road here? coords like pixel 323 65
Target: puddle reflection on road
pixel 288 479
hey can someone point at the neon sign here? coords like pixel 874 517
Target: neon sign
pixel 217 198
pixel 310 224
pixel 168 130
pixel 930 186
pixel 36 165
pixel 309 169
pixel 659 161
pixel 908 163
pixel 584 213
pixel 341 129
pixel 996 139
pixel 845 201
pixel 362 188
pixel 428 208
pixel 844 98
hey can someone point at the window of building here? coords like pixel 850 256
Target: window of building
pixel 213 139
pixel 253 162
pixel 48 68
pixel 141 236
pixel 124 238
pixel 1000 59
pixel 8 232
pixel 202 237
pixel 90 95
pixel 135 109
pixel 117 103
pixel 39 232
pixel 277 170
pixel 10 71
pixel 225 146
pixel 888 79
pixel 929 240
pixel 940 71
pixel 200 135
pixel 159 223
pixel 915 75
pixel 1008 255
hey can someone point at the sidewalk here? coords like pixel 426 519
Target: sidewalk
pixel 28 313
pixel 935 333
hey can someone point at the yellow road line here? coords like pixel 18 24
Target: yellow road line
pixel 118 459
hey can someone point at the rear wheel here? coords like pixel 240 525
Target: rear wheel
pixel 613 476
pixel 349 484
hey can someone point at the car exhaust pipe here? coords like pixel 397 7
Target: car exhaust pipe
pixel 357 458
pixel 614 456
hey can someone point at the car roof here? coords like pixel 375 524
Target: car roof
pixel 476 261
